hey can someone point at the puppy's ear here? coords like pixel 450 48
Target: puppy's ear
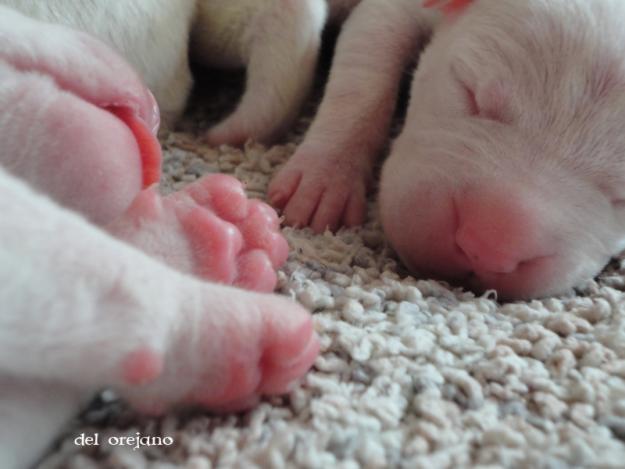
pixel 448 7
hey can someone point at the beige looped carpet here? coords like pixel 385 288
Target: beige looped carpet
pixel 412 373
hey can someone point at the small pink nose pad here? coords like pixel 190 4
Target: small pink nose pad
pixel 484 254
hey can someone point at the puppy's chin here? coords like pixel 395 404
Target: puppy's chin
pixel 537 279
pixel 551 276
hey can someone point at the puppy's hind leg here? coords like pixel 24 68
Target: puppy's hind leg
pixel 280 45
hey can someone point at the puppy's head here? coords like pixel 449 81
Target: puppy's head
pixel 510 171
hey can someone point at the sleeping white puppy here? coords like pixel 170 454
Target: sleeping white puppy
pixel 511 165
pixel 82 310
pixel 509 171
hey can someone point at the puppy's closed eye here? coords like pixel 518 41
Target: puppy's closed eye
pixel 485 101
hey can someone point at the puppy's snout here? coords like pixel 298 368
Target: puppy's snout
pixel 485 235
pixel 498 231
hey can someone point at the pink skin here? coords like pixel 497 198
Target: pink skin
pixel 58 116
pixel 85 147
pixel 211 229
pixel 117 317
pixel 77 125
pixel 325 183
pixel 511 169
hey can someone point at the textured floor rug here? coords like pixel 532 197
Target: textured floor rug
pixel 413 373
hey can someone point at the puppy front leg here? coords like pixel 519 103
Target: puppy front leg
pixel 83 310
pixel 280 45
pixel 325 182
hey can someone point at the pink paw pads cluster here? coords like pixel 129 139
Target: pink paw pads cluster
pixel 233 240
pixel 237 240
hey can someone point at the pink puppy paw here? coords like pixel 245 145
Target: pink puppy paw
pixel 232 348
pixel 320 193
pixel 209 229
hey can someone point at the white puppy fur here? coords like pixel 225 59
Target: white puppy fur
pixel 514 124
pixel 511 159
pixel 77 304
pixel 152 36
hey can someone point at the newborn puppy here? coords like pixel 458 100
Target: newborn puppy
pixel 82 310
pixel 508 172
